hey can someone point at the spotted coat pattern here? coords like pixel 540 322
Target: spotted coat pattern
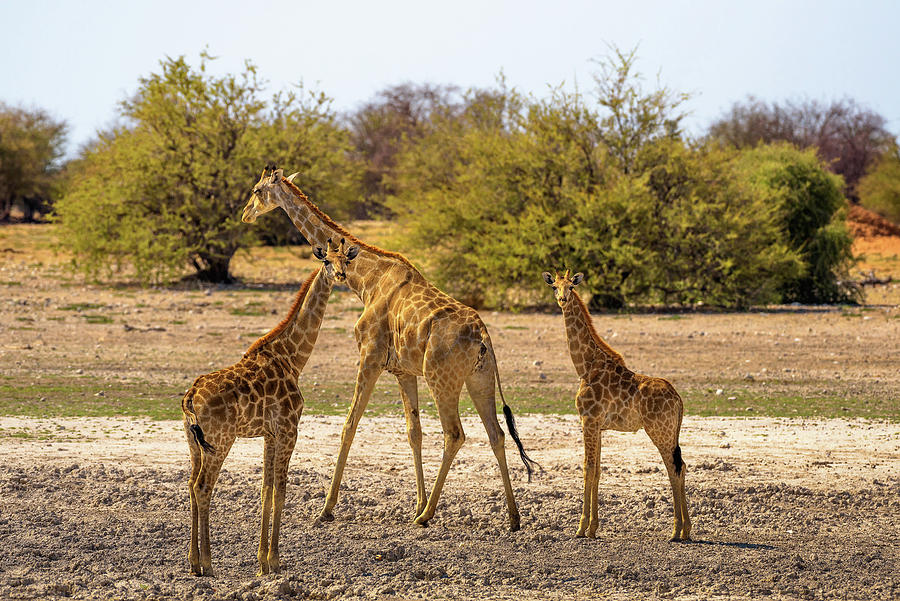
pixel 410 329
pixel 612 397
pixel 257 396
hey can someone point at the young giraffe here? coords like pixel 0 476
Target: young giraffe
pixel 612 397
pixel 409 328
pixel 257 396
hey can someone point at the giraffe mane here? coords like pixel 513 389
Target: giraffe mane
pixel 615 356
pixel 340 229
pixel 298 301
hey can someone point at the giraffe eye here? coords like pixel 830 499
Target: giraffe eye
pixel 327 262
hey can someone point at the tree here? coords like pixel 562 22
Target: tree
pixel 381 126
pixel 879 190
pixel 165 190
pixel 847 136
pixel 515 186
pixel 31 146
pixel 812 212
pixel 634 117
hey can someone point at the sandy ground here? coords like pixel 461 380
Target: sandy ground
pixel 782 509
pixel 97 508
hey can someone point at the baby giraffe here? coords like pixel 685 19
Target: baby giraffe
pixel 257 396
pixel 612 397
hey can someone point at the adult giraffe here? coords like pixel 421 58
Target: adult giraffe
pixel 409 328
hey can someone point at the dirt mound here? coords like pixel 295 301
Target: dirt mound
pixel 863 223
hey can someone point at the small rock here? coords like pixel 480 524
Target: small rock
pixel 79 371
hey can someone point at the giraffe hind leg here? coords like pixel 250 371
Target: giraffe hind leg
pixel 194 549
pixel 680 469
pixel 481 389
pixel 670 452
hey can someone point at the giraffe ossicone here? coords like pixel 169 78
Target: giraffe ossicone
pixel 612 397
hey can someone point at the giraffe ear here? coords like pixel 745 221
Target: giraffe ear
pixel 548 278
pixel 291 177
pixel 277 174
pixel 577 278
pixel 352 252
pixel 319 253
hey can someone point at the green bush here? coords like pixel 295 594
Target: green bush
pixel 164 191
pixel 812 211
pixel 512 187
pixel 879 190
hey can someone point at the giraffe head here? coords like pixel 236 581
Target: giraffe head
pixel 337 258
pixel 267 193
pixel 563 285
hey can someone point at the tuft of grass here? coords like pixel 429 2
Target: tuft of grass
pixel 81 307
pixel 93 318
pixel 247 312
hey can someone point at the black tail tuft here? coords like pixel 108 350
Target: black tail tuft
pixel 676 458
pixel 198 436
pixel 511 425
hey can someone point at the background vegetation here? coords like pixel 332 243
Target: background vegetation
pixel 487 187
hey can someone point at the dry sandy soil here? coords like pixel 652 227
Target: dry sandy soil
pixel 781 508
pixel 784 508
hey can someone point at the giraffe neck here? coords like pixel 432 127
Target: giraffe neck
pixel 313 228
pixel 589 352
pixel 299 337
pixel 371 265
pixel 293 339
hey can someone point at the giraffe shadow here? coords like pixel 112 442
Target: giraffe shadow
pixel 736 545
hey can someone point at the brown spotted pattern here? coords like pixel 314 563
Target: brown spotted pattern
pixel 257 396
pixel 410 329
pixel 612 397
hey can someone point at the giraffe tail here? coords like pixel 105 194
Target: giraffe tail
pixel 530 463
pixel 187 407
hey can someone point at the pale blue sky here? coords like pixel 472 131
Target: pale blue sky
pixel 79 58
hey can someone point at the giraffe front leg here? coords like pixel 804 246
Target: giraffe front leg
pixel 591 434
pixel 266 491
pixel 282 461
pixel 369 370
pixel 595 486
pixel 453 440
pixel 409 394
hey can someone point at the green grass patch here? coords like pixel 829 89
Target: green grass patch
pixel 80 307
pixel 64 396
pixel 749 402
pixel 67 396
pixel 670 317
pixel 10 283
pixel 93 318
pixel 247 312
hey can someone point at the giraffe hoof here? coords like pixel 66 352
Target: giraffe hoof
pixel 580 534
pixel 326 516
pixel 420 522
